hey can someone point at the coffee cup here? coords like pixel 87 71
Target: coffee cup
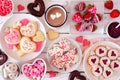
pixel 55 16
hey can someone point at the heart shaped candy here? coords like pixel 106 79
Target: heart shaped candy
pixel 26 45
pixel 12 37
pixel 20 7
pixel 29 30
pixel 36 70
pixel 31 8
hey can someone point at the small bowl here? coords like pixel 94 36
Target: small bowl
pixel 5 72
pixel 32 64
pixel 55 16
pixel 74 66
pixel 115 28
pixel 10 13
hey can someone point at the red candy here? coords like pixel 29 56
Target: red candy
pixel 5 7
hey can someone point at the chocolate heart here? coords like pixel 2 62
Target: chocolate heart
pixel 3 58
pixel 113 31
pixel 113 54
pixel 101 51
pixel 93 60
pixel 31 8
pixel 116 65
pixel 108 73
pixel 105 61
pixel 76 74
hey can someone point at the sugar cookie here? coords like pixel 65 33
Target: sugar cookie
pixel 52 34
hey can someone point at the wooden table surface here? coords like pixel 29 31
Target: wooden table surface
pixel 66 29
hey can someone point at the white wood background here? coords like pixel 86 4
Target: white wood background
pixel 65 30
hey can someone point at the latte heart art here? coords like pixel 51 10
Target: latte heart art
pixel 36 70
pixel 12 37
pixel 29 30
pixel 26 45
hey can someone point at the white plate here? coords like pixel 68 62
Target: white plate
pixel 74 44
pixel 9 23
pixel 86 67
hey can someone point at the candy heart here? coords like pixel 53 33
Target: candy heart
pixel 20 7
pixel 36 70
pixel 93 60
pixel 105 61
pixel 29 30
pixel 108 72
pixel 33 11
pixel 52 34
pixel 26 45
pixel 24 22
pixel 86 42
pixel 12 37
pixel 116 65
pixel 79 39
pixel 39 36
pixel 113 54
pixel 3 58
pixel 101 51
pixel 97 70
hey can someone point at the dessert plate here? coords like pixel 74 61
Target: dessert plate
pixel 99 10
pixel 74 44
pixel 91 52
pixel 9 23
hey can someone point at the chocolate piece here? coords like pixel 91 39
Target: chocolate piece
pixel 76 74
pixel 3 58
pixel 36 3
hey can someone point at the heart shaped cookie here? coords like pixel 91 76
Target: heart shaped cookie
pixel 26 45
pixel 36 70
pixel 115 65
pixel 39 36
pixel 12 37
pixel 31 8
pixel 3 58
pixel 107 72
pixel 29 30
pixel 52 34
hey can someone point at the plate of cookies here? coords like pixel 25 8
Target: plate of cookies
pixel 23 37
pixel 64 55
pixel 102 61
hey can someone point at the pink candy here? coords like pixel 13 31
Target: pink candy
pixel 5 7
pixel 24 22
pixel 35 70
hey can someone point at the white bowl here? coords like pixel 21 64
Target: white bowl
pixel 87 68
pixel 74 66
pixel 29 64
pixel 9 23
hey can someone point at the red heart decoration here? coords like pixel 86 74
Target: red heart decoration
pixel 20 7
pixel 113 54
pixel 105 61
pixel 97 70
pixel 116 65
pixel 79 39
pixel 101 51
pixel 108 73
pixel 93 60
pixel 86 42
pixel 52 74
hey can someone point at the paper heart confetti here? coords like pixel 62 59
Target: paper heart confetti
pixel 52 34
pixel 36 70
pixel 20 7
pixel 29 30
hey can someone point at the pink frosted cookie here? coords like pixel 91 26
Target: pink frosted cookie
pixel 12 37
pixel 115 65
pixel 113 54
pixel 93 60
pixel 97 70
pixel 108 72
pixel 80 6
pixel 56 51
pixel 101 51
pixel 104 61
pixel 65 44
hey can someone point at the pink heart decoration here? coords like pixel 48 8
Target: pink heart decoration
pixel 79 39
pixel 36 70
pixel 24 22
pixel 39 46
pixel 20 7
pixel 86 42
